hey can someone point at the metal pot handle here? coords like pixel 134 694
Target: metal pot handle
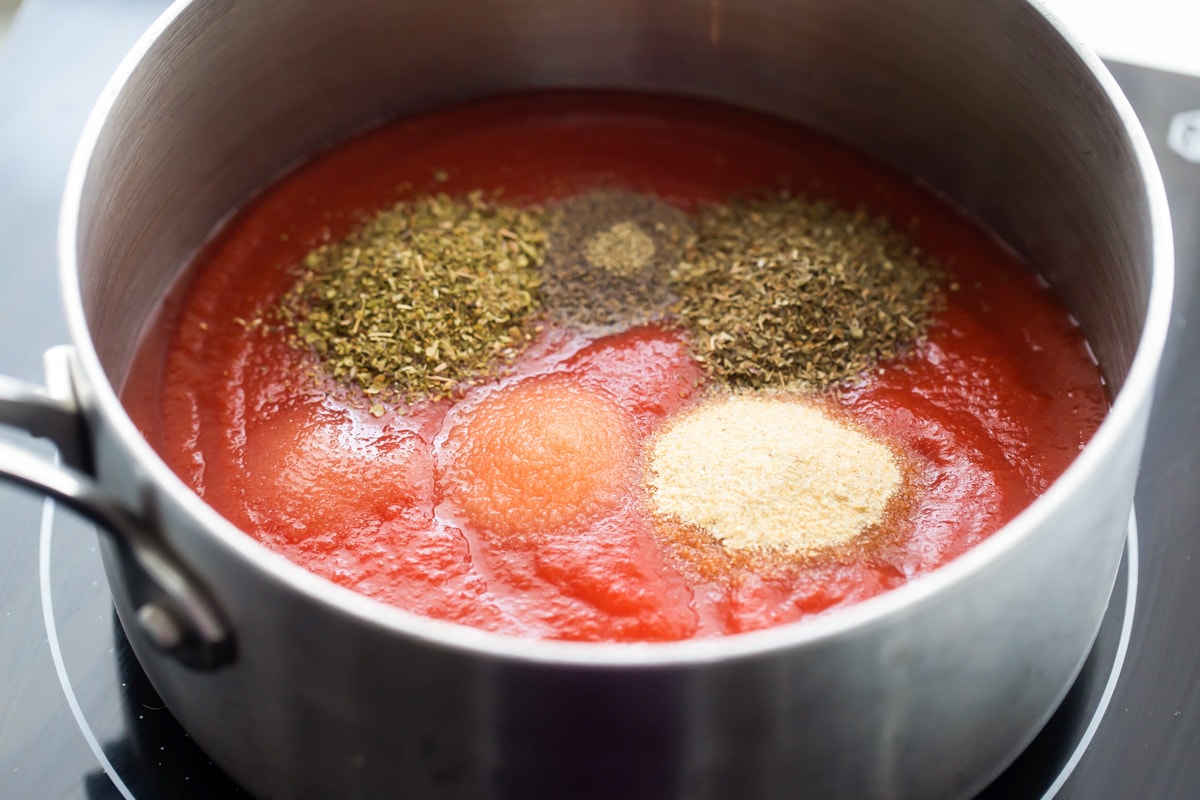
pixel 175 613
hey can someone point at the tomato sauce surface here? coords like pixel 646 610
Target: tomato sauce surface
pixel 987 411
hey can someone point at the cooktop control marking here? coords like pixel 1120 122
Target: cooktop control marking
pixel 1184 135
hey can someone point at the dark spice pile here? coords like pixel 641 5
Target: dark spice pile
pixel 790 293
pixel 427 295
pixel 610 258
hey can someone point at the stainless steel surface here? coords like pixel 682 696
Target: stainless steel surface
pixel 926 691
pixel 172 608
pixel 49 412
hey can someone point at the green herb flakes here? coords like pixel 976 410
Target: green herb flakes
pixel 425 297
pixel 795 294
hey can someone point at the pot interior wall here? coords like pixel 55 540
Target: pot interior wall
pixel 980 99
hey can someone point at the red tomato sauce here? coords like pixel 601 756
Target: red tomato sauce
pixel 988 411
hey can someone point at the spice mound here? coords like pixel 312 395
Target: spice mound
pixel 789 293
pixel 425 297
pixel 770 474
pixel 609 260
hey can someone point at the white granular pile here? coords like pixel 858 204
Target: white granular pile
pixel 763 473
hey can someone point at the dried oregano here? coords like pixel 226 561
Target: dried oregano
pixel 789 293
pixel 425 296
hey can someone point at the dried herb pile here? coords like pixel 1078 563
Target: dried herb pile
pixel 790 293
pixel 427 295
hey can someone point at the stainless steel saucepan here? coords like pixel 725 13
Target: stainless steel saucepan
pixel 299 688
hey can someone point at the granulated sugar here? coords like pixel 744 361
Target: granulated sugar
pixel 771 474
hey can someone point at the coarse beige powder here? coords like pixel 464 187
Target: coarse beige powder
pixel 771 474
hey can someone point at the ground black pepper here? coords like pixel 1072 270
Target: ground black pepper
pixel 609 260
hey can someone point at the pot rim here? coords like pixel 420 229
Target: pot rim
pixel 1123 416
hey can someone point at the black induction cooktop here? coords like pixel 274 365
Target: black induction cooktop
pixel 78 718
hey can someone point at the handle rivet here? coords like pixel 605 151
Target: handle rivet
pixel 157 623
